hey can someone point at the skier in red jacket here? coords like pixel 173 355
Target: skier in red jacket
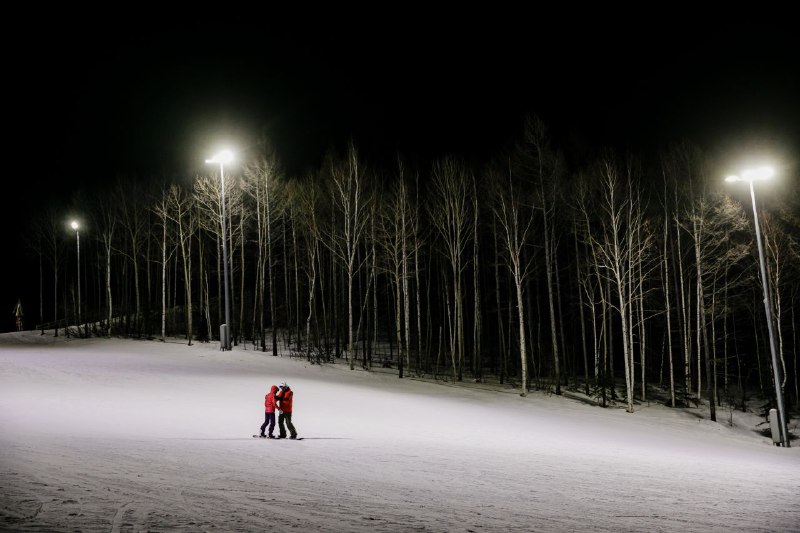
pixel 269 412
pixel 285 397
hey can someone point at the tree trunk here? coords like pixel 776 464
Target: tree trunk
pixel 108 286
pixel 523 358
pixel 296 283
pixel 578 285
pixel 500 327
pixel 477 363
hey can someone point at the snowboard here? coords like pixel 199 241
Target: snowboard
pixel 276 438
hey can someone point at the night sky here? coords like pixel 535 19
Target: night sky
pixel 91 100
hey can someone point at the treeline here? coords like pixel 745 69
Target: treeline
pixel 610 279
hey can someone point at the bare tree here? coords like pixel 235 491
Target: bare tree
pixel 407 229
pixel 208 201
pixel 105 222
pixel 241 238
pixel 263 185
pixel 397 227
pixel 708 228
pixel 306 197
pixel 787 217
pixel 48 238
pixel 513 211
pixel 418 241
pixel 543 166
pixel 678 166
pixel 618 251
pixel 180 212
pixel 450 214
pixel 777 244
pixel 130 200
pixel 390 238
pixel 580 283
pixel 667 302
pixel 477 363
pixel 207 194
pixel 161 209
pixel 35 242
pixel 350 201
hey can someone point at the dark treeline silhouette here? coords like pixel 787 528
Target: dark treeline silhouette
pixel 623 281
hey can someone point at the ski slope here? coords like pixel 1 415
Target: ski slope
pixel 123 435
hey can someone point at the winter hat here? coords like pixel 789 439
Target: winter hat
pixel 284 385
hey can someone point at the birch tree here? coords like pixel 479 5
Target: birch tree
pixel 617 254
pixel 262 184
pixel 350 200
pixel 130 199
pixel 306 197
pixel 678 165
pixel 778 260
pixel 596 284
pixel 161 209
pixel 477 363
pixel 180 211
pixel 105 222
pixel 450 215
pixel 665 271
pixel 391 242
pixel 543 166
pixel 418 240
pixel 515 218
pixel 395 237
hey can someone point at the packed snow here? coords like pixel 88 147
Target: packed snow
pixel 123 435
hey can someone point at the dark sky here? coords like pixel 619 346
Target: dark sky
pixel 92 99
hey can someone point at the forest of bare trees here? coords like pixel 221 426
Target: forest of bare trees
pixel 625 281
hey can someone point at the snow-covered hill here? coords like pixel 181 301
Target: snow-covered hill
pixel 122 435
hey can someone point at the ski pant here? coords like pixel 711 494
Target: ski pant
pixel 269 418
pixel 287 417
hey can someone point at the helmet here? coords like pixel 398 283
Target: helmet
pixel 283 385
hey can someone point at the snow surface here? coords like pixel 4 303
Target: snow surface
pixel 121 435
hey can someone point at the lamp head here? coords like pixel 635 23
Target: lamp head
pixel 225 156
pixel 74 224
pixel 761 173
pixel 753 174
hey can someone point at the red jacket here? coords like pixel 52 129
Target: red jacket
pixel 269 400
pixel 285 400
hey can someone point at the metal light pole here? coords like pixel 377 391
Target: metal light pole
pixel 750 176
pixel 223 157
pixel 74 224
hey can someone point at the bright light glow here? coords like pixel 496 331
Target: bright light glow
pixel 74 225
pixel 758 173
pixel 225 156
pixel 753 174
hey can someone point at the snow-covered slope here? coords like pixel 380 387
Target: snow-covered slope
pixel 121 435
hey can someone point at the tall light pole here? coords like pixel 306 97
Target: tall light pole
pixel 750 176
pixel 225 156
pixel 74 224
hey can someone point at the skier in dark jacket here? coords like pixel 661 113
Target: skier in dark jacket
pixel 270 404
pixel 285 397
